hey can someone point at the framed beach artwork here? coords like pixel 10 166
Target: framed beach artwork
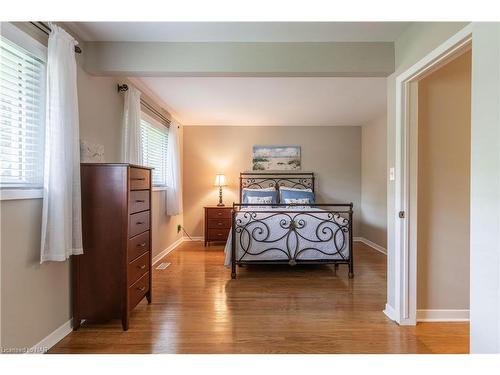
pixel 276 158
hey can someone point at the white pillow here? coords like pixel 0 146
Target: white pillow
pixel 260 200
pixel 299 200
pixel 294 189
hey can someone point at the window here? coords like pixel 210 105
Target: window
pixel 22 109
pixel 154 139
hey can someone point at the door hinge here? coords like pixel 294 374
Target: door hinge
pixel 401 214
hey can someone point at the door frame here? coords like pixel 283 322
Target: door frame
pixel 406 168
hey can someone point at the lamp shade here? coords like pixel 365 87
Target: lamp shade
pixel 220 180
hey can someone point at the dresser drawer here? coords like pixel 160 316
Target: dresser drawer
pixel 139 178
pixel 138 245
pixel 137 291
pixel 137 268
pixel 218 234
pixel 138 223
pixel 219 223
pixel 138 201
pixel 219 213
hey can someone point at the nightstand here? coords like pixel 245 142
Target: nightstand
pixel 217 223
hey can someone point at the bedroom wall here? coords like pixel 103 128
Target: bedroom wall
pixel 485 190
pixel 333 153
pixel 373 181
pixel 444 112
pixel 35 298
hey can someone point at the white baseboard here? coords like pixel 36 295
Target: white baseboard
pixel 51 339
pixel 197 238
pixel 373 245
pixel 442 315
pixel 390 313
pixel 159 257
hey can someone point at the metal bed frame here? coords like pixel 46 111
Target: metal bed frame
pixel 255 224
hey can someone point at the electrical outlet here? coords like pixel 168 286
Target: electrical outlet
pixel 179 228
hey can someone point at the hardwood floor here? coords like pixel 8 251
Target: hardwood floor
pixel 197 308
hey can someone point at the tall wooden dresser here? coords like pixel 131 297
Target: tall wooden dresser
pixel 114 273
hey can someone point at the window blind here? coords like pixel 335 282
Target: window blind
pixel 22 117
pixel 154 139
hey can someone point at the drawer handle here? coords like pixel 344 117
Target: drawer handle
pixel 219 224
pixel 141 289
pixel 139 222
pixel 140 201
pixel 219 234
pixel 141 244
pixel 141 267
pixel 138 178
pixel 219 213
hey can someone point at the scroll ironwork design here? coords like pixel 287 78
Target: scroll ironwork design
pixel 293 233
pixel 304 180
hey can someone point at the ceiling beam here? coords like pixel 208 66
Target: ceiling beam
pixel 333 59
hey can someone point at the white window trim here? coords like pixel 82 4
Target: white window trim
pixel 27 42
pixel 16 194
pixel 159 125
pixel 24 40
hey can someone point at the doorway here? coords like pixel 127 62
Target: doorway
pixel 443 190
pixel 404 285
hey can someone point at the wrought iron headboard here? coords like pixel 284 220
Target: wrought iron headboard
pixel 261 180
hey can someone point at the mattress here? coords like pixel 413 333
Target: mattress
pixel 289 234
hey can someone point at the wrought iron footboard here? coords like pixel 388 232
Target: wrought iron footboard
pixel 295 236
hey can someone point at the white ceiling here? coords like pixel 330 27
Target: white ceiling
pixel 239 31
pixel 274 101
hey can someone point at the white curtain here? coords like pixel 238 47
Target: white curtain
pixel 61 215
pixel 131 134
pixel 174 183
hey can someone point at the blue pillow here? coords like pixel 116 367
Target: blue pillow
pixel 260 193
pixel 296 194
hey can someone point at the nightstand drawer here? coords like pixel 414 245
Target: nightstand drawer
pixel 219 223
pixel 218 234
pixel 219 213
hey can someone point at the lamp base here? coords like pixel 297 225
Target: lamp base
pixel 220 198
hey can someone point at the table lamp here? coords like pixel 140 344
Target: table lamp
pixel 220 181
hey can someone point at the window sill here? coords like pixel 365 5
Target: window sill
pixel 16 194
pixel 159 188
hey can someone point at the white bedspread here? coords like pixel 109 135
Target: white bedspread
pixel 317 234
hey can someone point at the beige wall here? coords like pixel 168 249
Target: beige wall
pixel 165 227
pixel 100 108
pixel 35 299
pixel 373 181
pixel 333 153
pixel 444 112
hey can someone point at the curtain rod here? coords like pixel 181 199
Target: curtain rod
pixel 42 26
pixel 124 87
